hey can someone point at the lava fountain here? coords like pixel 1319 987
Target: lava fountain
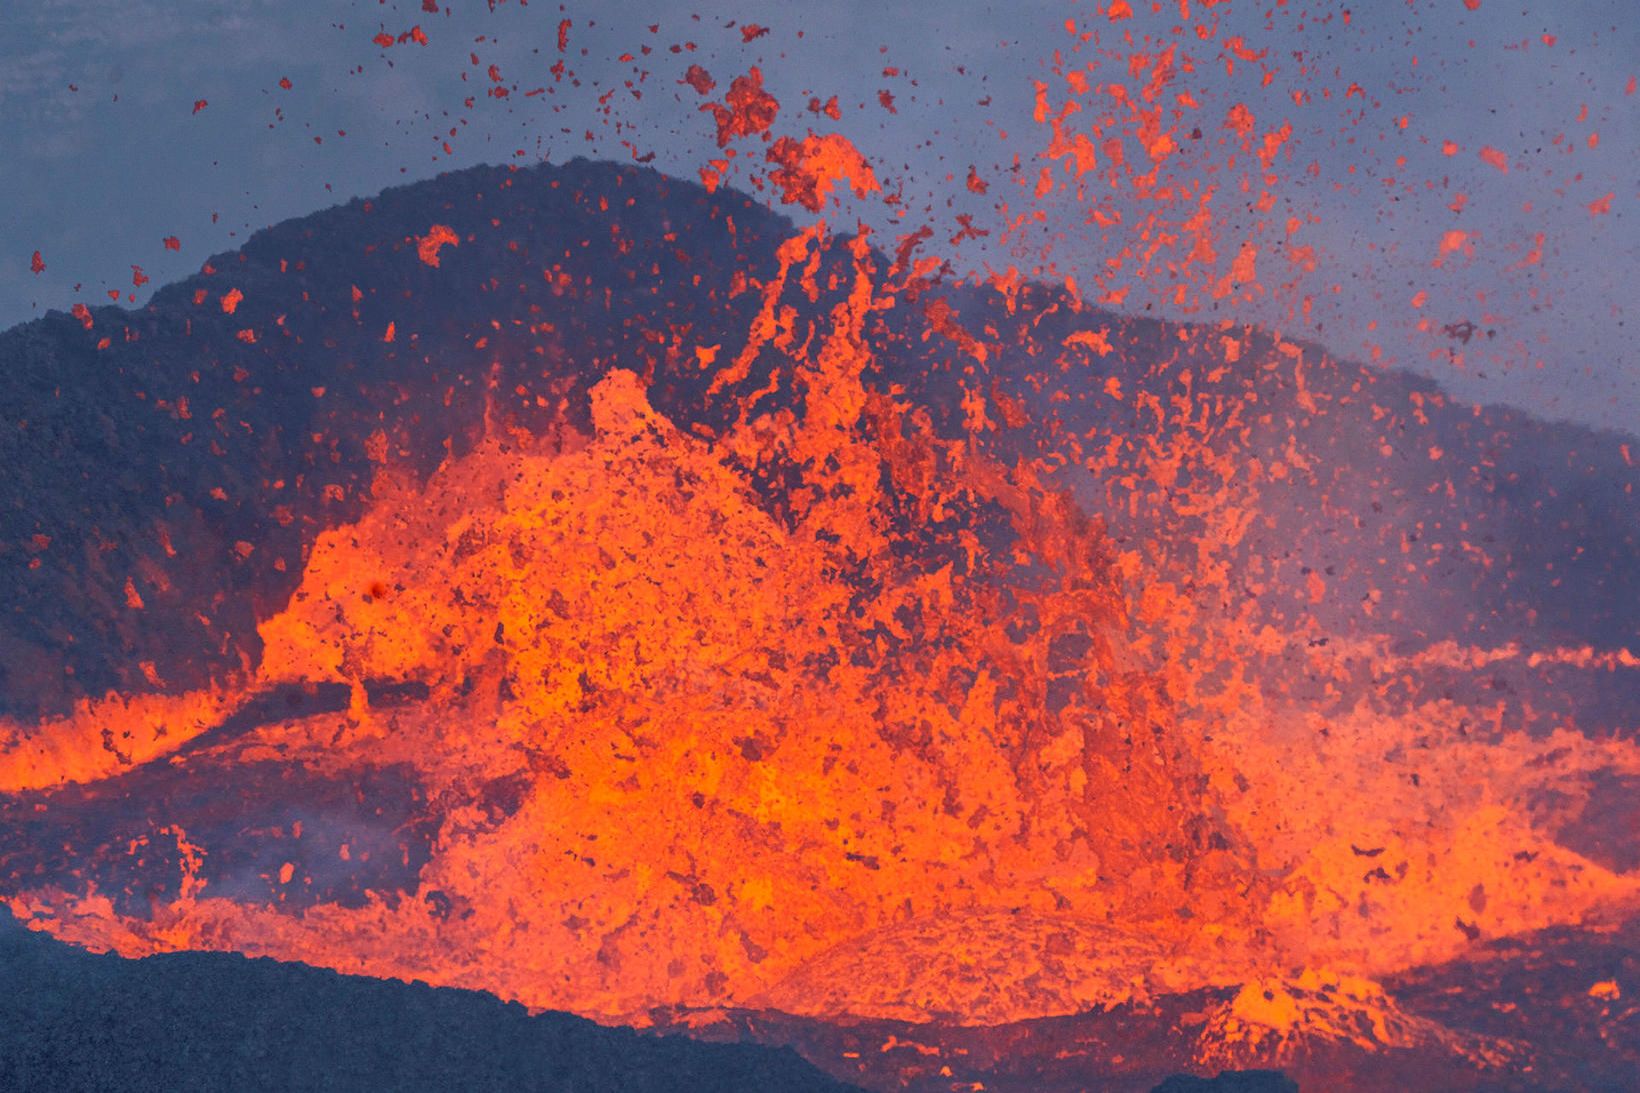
pixel 681 613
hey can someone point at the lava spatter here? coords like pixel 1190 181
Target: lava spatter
pixel 685 720
pixel 729 741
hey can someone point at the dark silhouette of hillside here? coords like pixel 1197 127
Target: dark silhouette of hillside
pixel 70 1020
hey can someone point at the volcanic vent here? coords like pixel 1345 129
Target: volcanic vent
pixel 770 637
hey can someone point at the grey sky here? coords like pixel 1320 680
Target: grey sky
pixel 105 155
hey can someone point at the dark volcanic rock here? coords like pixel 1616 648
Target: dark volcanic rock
pixel 1231 1081
pixel 70 1020
pixel 123 830
pixel 1561 1000
pixel 1573 995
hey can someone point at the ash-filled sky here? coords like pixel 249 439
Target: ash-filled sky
pixel 1456 194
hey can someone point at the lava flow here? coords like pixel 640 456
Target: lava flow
pixel 952 632
pixel 844 709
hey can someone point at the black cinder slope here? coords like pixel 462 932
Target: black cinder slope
pixel 70 1020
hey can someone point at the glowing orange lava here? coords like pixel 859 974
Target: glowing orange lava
pixel 857 752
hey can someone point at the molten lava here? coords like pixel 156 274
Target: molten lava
pixel 831 714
